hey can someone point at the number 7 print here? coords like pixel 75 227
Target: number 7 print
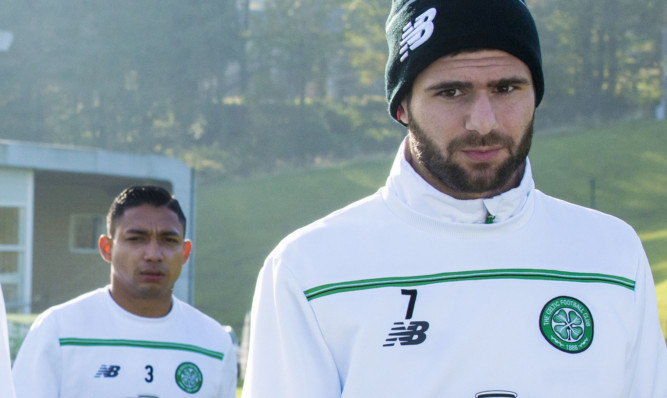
pixel 411 304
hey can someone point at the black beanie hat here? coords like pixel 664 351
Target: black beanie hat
pixel 421 31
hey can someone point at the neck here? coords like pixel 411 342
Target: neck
pixel 145 307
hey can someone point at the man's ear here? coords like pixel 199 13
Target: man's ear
pixel 105 244
pixel 402 114
pixel 187 249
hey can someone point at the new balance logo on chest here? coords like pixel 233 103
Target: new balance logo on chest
pixel 413 334
pixel 108 371
pixel 417 33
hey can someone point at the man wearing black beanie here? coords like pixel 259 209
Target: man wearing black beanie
pixel 458 278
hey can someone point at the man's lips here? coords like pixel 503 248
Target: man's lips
pixel 152 275
pixel 484 154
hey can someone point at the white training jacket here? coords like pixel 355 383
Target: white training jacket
pixel 91 347
pixel 408 293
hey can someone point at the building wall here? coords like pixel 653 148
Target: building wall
pixel 58 273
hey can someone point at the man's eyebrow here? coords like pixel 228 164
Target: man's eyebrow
pixel 509 81
pixel 450 85
pixel 170 232
pixel 139 231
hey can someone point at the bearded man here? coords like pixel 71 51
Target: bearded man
pixel 458 278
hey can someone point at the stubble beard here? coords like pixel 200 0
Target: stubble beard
pixel 485 177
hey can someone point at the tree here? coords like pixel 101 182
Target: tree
pixel 125 75
pixel 293 43
pixel 366 44
pixel 600 58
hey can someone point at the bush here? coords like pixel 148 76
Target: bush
pixel 247 139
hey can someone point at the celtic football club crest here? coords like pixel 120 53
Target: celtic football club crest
pixel 567 324
pixel 189 377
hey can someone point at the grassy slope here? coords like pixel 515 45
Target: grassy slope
pixel 239 223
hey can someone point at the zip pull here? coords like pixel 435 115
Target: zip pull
pixel 489 218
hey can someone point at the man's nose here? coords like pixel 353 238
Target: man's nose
pixel 481 116
pixel 153 250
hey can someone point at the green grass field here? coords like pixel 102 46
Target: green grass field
pixel 238 223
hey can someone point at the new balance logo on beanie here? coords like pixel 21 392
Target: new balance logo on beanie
pixel 417 34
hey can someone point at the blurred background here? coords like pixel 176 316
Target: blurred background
pixel 276 109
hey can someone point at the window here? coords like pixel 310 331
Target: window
pixel 9 225
pixel 9 262
pixel 85 231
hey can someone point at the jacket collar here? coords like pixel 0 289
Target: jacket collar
pixel 416 194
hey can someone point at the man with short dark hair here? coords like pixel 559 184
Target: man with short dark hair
pixel 458 278
pixel 132 338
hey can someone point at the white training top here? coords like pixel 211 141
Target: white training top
pixel 6 382
pixel 91 347
pixel 408 293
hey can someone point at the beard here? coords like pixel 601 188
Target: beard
pixel 484 177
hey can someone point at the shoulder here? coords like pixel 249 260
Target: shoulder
pixel 72 314
pixel 583 220
pixel 195 314
pixel 79 304
pixel 199 322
